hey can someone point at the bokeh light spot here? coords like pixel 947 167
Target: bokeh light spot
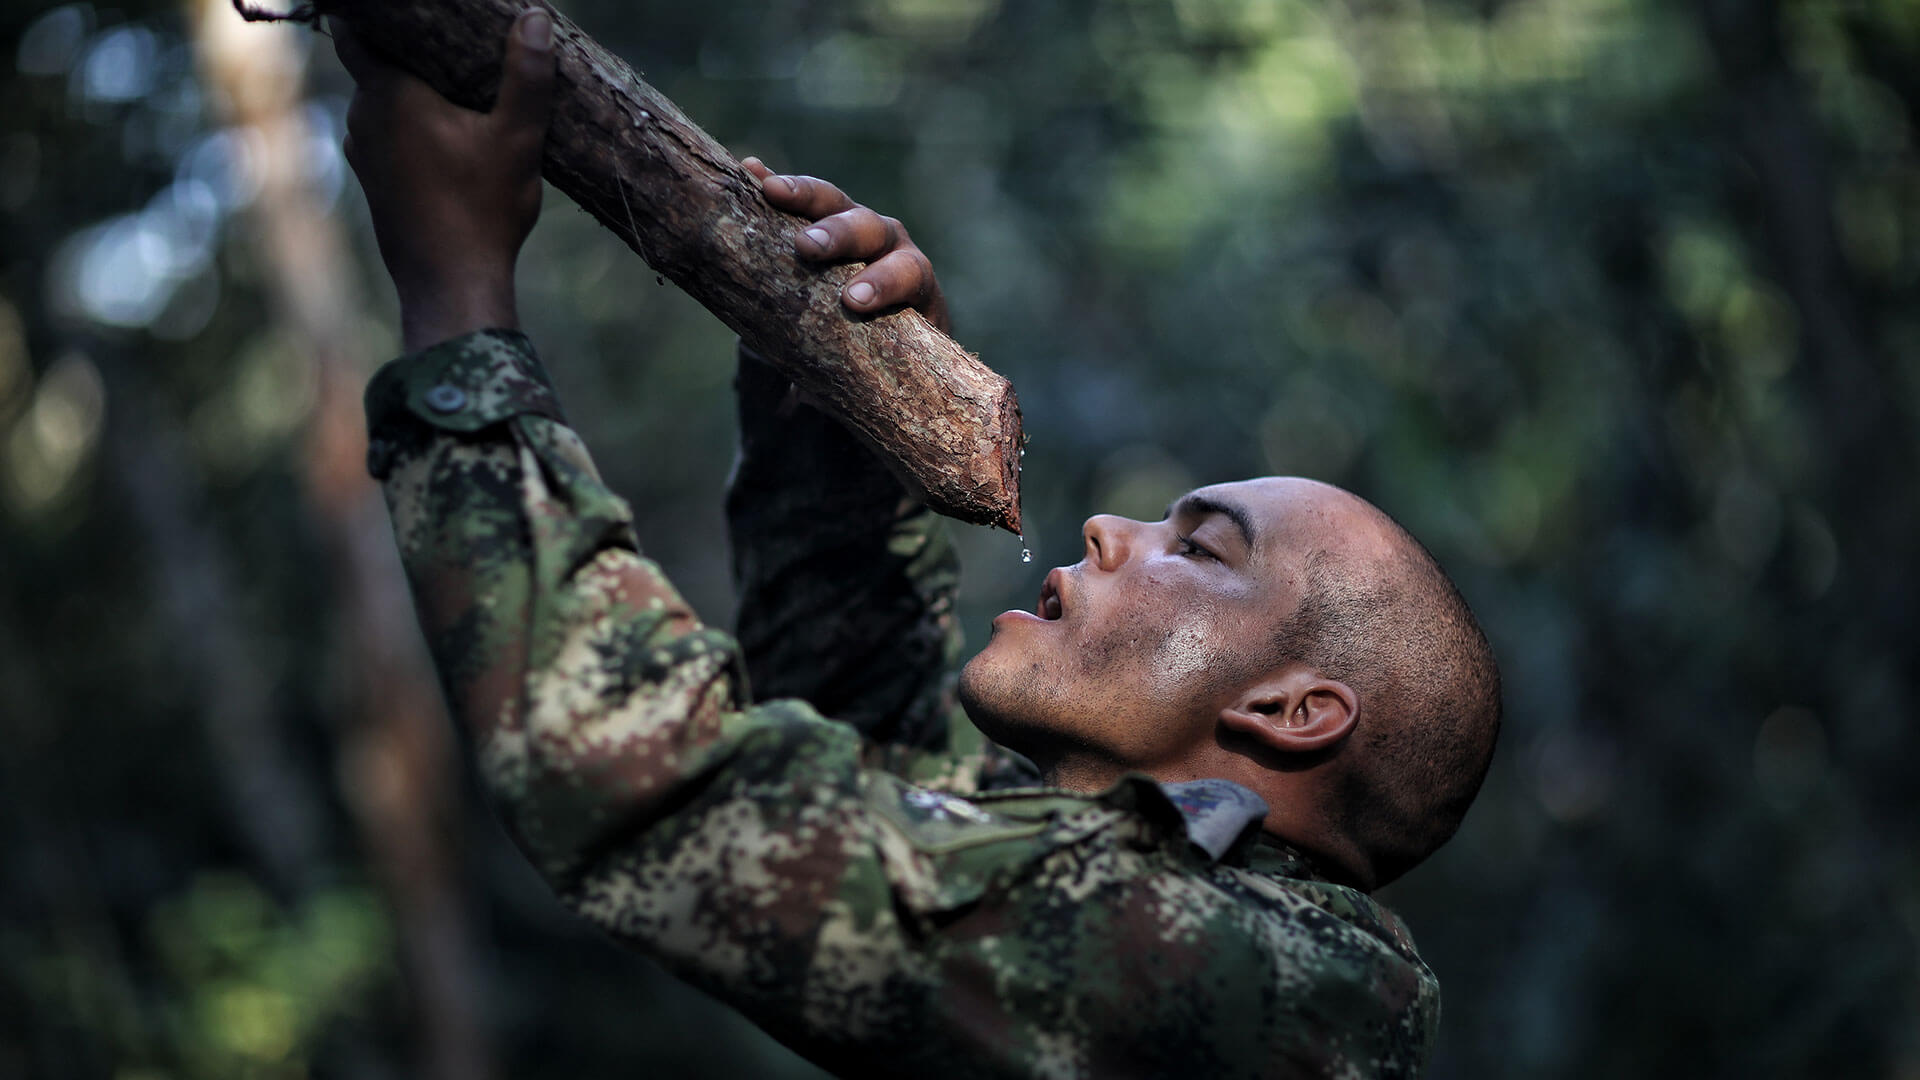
pixel 50 42
pixel 121 65
pixel 53 439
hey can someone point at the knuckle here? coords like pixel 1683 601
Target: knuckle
pixel 872 227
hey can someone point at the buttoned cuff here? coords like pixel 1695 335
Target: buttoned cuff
pixel 463 385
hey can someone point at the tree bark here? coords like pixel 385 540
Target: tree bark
pixel 626 154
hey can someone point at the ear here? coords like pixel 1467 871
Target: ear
pixel 1296 712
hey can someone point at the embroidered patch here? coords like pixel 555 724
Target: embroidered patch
pixel 1218 812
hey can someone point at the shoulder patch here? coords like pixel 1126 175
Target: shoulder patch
pixel 1219 813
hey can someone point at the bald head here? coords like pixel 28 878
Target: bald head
pixel 1279 632
pixel 1378 613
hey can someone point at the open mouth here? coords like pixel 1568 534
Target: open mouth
pixel 1050 607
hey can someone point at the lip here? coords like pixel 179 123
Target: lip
pixel 1053 593
pixel 1052 605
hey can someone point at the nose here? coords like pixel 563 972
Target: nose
pixel 1108 540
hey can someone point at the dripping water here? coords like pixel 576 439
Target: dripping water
pixel 1026 553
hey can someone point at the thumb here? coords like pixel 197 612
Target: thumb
pixel 526 79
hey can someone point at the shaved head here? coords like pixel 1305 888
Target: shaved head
pixel 1278 632
pixel 1386 619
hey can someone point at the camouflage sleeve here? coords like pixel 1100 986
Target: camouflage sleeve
pixel 846 590
pixel 877 927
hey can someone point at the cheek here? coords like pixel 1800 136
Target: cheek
pixel 1165 643
pixel 1187 648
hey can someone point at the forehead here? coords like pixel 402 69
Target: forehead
pixel 1283 504
pixel 1293 516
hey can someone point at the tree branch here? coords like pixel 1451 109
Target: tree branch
pixel 627 155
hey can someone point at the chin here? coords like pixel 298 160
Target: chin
pixel 1000 702
pixel 977 695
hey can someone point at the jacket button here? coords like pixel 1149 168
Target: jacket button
pixel 446 398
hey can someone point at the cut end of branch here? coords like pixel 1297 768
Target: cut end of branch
pixel 1016 440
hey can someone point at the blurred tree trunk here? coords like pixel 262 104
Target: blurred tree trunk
pixel 277 811
pixel 1777 134
pixel 1792 193
pixel 395 743
pixel 1869 440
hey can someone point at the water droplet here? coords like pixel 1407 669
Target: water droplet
pixel 1026 555
pixel 1023 451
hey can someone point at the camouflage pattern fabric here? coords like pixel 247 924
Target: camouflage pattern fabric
pixel 846 590
pixel 789 865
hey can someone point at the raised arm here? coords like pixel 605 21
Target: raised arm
pixel 845 581
pixel 451 259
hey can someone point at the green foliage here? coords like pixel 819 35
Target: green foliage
pixel 254 987
pixel 1608 300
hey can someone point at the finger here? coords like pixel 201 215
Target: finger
pixel 779 190
pixel 852 235
pixel 526 79
pixel 808 196
pixel 903 278
pixel 758 168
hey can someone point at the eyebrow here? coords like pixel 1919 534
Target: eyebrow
pixel 1202 505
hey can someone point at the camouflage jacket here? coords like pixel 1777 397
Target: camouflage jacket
pixel 789 863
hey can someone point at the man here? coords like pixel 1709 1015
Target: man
pixel 1246 715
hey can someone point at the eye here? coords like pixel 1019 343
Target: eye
pixel 1187 547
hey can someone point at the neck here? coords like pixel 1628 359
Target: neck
pixel 1336 855
pixel 1302 826
pixel 1079 772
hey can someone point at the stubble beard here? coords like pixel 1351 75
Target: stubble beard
pixel 999 702
pixel 1051 706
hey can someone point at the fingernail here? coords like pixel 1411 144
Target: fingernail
pixel 536 30
pixel 820 237
pixel 860 293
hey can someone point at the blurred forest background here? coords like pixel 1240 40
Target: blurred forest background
pixel 1613 302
